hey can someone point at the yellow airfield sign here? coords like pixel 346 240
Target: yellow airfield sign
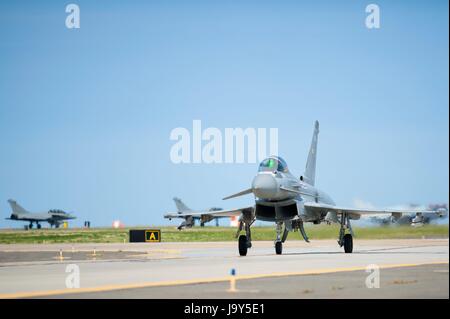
pixel 153 235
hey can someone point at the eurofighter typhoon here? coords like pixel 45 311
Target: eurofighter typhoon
pixel 290 202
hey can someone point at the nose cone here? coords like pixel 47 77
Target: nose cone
pixel 265 186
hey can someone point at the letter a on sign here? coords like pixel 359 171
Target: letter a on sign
pixel 153 235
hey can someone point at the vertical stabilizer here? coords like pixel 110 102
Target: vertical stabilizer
pixel 181 207
pixel 310 170
pixel 16 208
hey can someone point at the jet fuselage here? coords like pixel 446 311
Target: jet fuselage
pixel 279 194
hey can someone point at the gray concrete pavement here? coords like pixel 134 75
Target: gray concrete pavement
pixel 34 269
pixel 419 282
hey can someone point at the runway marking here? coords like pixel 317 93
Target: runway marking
pixel 159 254
pixel 108 288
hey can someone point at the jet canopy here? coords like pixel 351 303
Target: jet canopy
pixel 56 211
pixel 273 164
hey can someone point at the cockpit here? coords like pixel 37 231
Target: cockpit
pixel 56 211
pixel 273 164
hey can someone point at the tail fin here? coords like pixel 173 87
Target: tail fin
pixel 310 170
pixel 181 207
pixel 16 208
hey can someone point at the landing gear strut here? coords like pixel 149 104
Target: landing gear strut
pixel 346 240
pixel 278 241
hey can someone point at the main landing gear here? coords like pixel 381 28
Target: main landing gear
pixel 278 247
pixel 245 241
pixel 243 247
pixel 346 240
pixel 348 243
pixel 30 226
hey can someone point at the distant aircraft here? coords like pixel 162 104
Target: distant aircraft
pixel 54 217
pixel 439 211
pixel 434 213
pixel 190 215
pixel 288 201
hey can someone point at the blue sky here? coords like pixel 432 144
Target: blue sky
pixel 85 115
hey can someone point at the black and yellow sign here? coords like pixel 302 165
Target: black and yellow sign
pixel 145 235
pixel 153 235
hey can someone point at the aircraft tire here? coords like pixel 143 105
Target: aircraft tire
pixel 348 243
pixel 243 245
pixel 38 226
pixel 278 247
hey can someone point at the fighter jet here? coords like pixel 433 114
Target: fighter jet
pixel 289 202
pixel 54 217
pixel 439 211
pixel 435 213
pixel 190 216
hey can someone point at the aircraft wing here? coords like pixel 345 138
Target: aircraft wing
pixel 216 213
pixel 358 211
pixel 32 217
pixel 175 215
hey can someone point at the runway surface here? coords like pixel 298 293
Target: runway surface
pixel 320 269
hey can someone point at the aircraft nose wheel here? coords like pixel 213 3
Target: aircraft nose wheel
pixel 278 247
pixel 348 243
pixel 243 246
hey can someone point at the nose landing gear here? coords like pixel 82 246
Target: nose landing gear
pixel 279 241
